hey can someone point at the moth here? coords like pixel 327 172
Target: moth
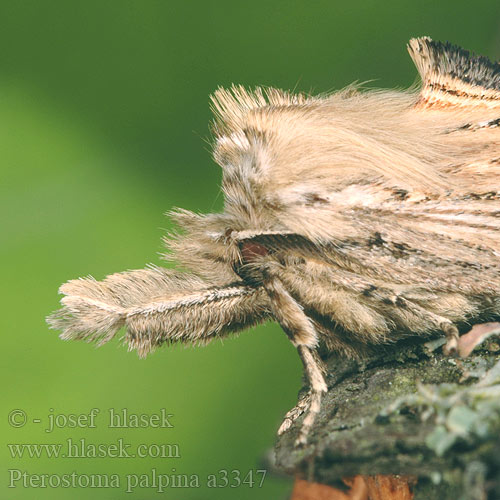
pixel 353 220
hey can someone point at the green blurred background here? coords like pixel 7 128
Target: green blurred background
pixel 103 127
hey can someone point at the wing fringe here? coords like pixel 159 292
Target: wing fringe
pixel 452 76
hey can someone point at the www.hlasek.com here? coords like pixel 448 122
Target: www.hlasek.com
pixel 131 482
pixel 81 448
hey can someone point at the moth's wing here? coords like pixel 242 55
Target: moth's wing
pixel 463 90
pixel 453 77
pixel 346 166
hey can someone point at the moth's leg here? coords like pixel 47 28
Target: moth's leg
pixel 446 326
pixel 314 371
pixel 288 312
pixel 452 336
pixel 301 332
pixel 293 414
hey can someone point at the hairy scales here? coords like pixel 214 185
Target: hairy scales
pixel 352 219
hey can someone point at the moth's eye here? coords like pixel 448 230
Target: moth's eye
pixel 250 250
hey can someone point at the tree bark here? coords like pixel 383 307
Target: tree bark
pixel 410 413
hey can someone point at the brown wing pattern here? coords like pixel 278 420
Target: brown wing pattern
pixel 452 76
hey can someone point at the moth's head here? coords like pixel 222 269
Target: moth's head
pixel 204 244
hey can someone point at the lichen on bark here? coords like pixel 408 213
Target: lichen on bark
pixel 409 410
